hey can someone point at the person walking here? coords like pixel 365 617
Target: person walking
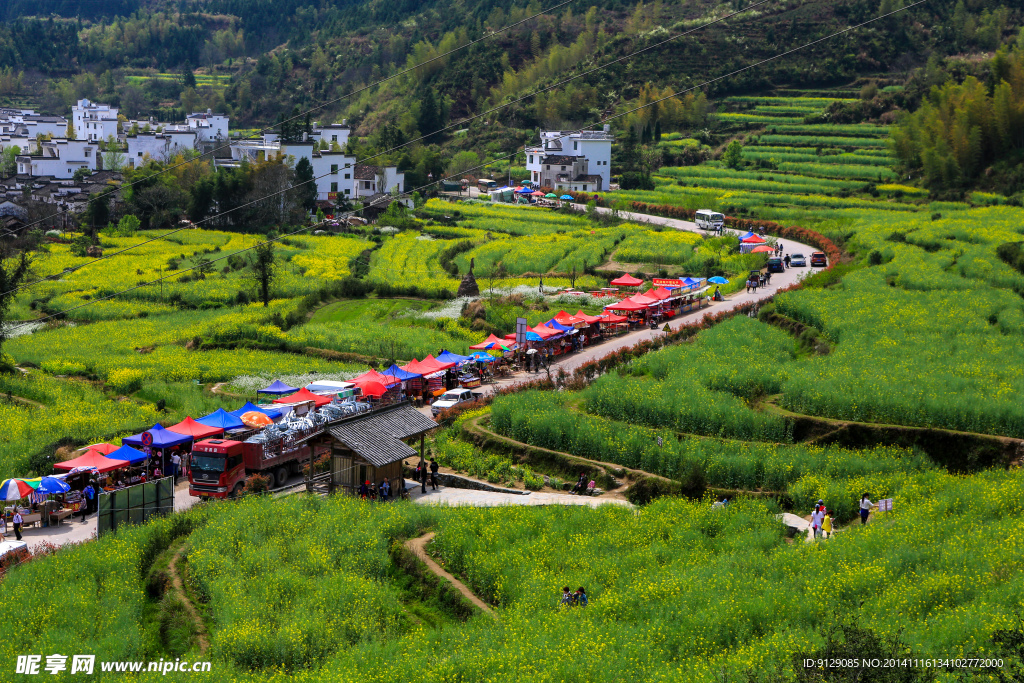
pixel 433 474
pixel 175 466
pixel 816 519
pixel 423 477
pixel 826 525
pixel 786 260
pixel 18 520
pixel 865 508
pixel 90 496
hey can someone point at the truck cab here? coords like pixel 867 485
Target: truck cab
pixel 217 469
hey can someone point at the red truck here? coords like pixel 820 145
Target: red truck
pixel 219 467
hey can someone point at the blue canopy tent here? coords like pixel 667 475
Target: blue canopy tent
pixel 222 419
pixel 278 388
pixel 554 324
pixel 162 438
pixel 249 407
pixel 128 453
pixel 449 357
pixel 533 336
pixel 399 373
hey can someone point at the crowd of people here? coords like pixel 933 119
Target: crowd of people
pixel 371 491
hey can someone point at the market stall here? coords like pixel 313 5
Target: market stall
pixel 627 280
pixel 278 388
pixel 304 394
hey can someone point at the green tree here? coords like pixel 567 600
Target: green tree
pixel 70 133
pixel 305 185
pixel 9 160
pixel 429 120
pixel 128 225
pixel 13 273
pixel 263 265
pixel 733 156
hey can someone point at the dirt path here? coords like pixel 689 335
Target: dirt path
pixel 179 587
pixel 418 547
pixel 26 401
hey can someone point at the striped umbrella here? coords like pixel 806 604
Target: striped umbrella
pixel 14 489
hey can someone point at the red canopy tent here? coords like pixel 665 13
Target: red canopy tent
pixel 568 319
pixel 92 459
pixel 545 332
pixel 753 239
pixel 660 294
pixel 627 280
pixel 371 387
pixel 612 318
pixel 626 305
pixel 195 429
pixel 102 448
pixel 486 343
pixel 427 366
pixel 302 394
pixel 372 375
pixel 643 299
pixel 589 319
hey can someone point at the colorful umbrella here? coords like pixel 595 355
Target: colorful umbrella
pixel 255 419
pixel 551 195
pixel 761 250
pixel 718 280
pixel 14 489
pixel 53 485
pixel 566 196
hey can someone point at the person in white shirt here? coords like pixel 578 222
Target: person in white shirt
pixel 175 466
pixel 865 508
pixel 17 523
pixel 817 517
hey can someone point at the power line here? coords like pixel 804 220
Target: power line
pixel 562 137
pixel 422 137
pixel 327 103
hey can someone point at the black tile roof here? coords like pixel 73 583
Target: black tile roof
pixel 558 159
pixel 377 437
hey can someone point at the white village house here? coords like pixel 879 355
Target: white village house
pixel 572 161
pixel 93 121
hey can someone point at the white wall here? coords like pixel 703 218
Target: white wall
pixel 599 159
pixel 58 168
pixel 325 178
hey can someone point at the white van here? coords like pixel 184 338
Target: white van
pixel 706 219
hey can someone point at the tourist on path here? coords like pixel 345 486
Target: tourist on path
pixel 826 526
pixel 175 466
pixel 17 523
pixel 423 477
pixel 433 474
pixel 817 517
pixel 865 508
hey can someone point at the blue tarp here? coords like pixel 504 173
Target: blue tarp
pixel 162 438
pixel 399 373
pixel 278 388
pixel 449 357
pixel 249 407
pixel 482 356
pixel 555 325
pixel 533 336
pixel 127 453
pixel 221 418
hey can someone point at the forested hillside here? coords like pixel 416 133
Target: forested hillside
pixel 257 59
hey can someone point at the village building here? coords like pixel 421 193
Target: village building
pixel 577 161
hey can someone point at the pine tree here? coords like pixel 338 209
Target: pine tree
pixel 429 119
pixel 305 185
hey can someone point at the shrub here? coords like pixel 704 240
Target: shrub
pixel 126 380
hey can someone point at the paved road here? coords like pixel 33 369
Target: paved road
pixel 447 495
pixel 575 360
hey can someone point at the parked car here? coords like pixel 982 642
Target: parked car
pixel 818 259
pixel 797 260
pixel 775 265
pixel 452 398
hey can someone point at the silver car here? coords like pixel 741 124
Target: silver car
pixel 797 260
